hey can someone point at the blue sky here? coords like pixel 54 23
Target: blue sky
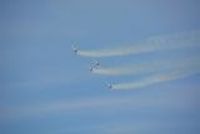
pixel 45 88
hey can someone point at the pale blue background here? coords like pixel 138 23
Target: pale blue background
pixel 46 89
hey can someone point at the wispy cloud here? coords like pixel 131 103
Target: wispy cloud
pixel 110 103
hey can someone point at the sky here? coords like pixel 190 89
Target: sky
pixel 46 89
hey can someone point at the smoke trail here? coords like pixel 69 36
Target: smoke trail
pixel 149 45
pixel 145 68
pixel 163 77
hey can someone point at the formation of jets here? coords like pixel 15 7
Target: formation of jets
pixel 93 66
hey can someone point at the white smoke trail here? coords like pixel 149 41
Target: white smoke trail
pixel 146 67
pixel 149 45
pixel 163 77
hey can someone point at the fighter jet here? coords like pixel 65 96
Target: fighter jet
pixel 94 65
pixel 75 49
pixel 109 85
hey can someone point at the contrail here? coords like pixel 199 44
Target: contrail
pixel 148 45
pixel 163 77
pixel 145 67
